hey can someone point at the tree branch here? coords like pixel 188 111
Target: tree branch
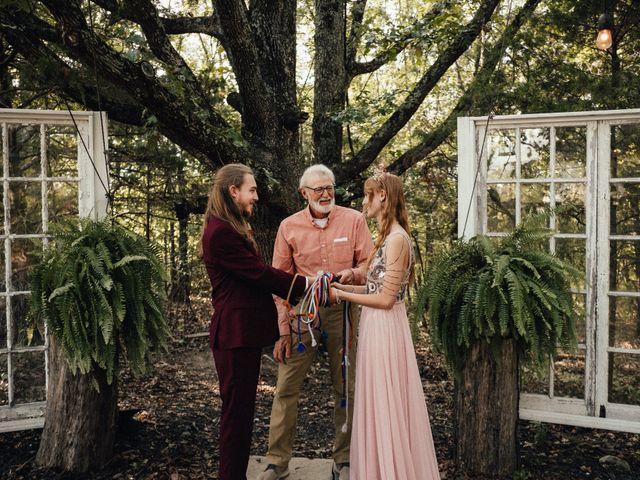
pixel 355 34
pixel 356 68
pixel 404 112
pixel 162 48
pixel 171 25
pixel 466 101
pixel 181 122
pixel 77 84
pixel 240 45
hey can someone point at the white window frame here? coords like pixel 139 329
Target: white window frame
pixel 472 220
pixel 92 202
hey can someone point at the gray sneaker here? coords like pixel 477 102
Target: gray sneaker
pixel 274 472
pixel 340 471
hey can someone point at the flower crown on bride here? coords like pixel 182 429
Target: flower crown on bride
pixel 379 172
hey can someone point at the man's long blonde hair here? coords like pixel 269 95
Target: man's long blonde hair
pixel 221 204
pixel 394 207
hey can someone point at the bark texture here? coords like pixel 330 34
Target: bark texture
pixel 79 427
pixel 486 412
pixel 330 80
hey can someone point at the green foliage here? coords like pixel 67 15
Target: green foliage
pixel 485 290
pixel 100 288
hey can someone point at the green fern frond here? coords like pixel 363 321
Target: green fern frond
pixel 484 289
pixel 94 302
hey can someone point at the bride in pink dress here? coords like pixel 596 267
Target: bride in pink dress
pixel 391 436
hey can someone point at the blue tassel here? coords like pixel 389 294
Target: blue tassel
pixel 301 348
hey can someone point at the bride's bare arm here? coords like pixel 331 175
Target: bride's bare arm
pixel 350 288
pixel 397 261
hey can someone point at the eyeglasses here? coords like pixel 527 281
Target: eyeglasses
pixel 319 190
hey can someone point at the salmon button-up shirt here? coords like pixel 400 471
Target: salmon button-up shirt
pixel 304 247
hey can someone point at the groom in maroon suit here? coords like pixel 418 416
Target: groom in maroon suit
pixel 245 317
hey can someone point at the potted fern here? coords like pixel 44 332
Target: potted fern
pixel 494 303
pixel 100 289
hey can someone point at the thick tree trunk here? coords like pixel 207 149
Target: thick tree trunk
pixel 486 415
pixel 330 80
pixel 79 427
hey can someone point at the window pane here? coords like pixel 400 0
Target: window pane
pixel 24 333
pixel 569 375
pixel 570 210
pixel 625 208
pixel 501 148
pixel 625 151
pixel 581 316
pixel 501 207
pixel 624 265
pixel 4 381
pixel 25 255
pixel 24 150
pixel 624 326
pixel 571 152
pixel 62 199
pixel 625 378
pixel 533 381
pixel 534 152
pixel 62 151
pixel 29 377
pixel 573 251
pixel 26 207
pixel 534 199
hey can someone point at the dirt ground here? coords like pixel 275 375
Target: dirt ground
pixel 168 427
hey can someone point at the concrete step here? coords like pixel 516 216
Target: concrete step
pixel 299 468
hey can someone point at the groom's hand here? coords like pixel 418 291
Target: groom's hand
pixel 282 349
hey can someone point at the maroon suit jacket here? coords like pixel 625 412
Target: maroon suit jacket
pixel 242 283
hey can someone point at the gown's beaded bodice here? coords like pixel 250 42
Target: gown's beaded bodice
pixel 378 268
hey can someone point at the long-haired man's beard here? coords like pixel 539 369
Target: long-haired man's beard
pixel 247 211
pixel 318 207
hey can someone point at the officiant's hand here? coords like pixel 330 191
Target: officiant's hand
pixel 282 349
pixel 346 276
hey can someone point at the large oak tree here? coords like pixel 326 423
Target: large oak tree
pixel 75 50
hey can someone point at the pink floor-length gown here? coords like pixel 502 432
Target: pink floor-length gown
pixel 391 435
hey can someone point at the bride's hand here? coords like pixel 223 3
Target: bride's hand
pixel 338 286
pixel 334 295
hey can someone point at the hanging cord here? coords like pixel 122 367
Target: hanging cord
pixel 105 150
pixel 86 149
pixel 489 118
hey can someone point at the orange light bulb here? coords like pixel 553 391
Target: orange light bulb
pixel 605 39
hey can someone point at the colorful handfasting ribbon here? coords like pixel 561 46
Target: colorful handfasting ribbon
pixel 316 296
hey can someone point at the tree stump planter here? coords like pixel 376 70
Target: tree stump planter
pixel 79 428
pixel 486 411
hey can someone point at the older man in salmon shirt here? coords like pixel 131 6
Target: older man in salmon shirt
pixel 322 237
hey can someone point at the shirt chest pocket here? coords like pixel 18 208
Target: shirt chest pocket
pixel 343 251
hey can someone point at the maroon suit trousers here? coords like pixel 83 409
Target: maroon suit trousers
pixel 238 370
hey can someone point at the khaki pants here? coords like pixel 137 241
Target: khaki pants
pixel 284 412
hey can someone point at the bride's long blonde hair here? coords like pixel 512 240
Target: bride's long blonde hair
pixel 393 208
